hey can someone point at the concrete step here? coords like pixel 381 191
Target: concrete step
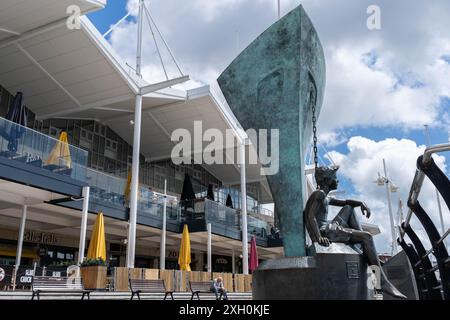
pixel 26 295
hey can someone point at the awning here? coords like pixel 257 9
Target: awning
pixel 11 252
pixel 20 16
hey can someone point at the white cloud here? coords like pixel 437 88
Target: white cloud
pixel 206 35
pixel 360 95
pixel 361 166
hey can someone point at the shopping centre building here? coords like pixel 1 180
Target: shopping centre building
pixel 72 81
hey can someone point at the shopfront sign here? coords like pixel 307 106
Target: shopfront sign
pixel 172 254
pixel 221 261
pixel 40 237
pixel 2 274
pixel 5 275
pixel 25 277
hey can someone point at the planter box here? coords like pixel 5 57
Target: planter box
pixel 94 277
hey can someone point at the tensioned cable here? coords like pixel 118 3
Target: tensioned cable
pixel 156 42
pixel 162 38
pixel 114 26
pixel 328 154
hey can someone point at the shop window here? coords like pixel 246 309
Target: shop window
pixel 197 174
pixel 96 142
pixel 102 145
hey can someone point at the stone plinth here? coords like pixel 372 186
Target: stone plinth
pixel 334 273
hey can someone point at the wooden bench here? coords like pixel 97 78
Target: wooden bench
pixel 138 286
pixel 58 285
pixel 201 287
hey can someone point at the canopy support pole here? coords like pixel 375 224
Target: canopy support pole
pixel 244 210
pixel 84 218
pixel 162 255
pixel 20 242
pixel 209 227
pixel 131 249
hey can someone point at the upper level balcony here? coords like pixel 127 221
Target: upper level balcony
pixel 32 158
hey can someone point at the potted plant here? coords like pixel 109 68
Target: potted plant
pixel 93 273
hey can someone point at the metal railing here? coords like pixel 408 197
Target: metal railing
pixel 34 148
pixel 417 184
pixel 429 286
pixel 216 212
pixel 111 189
pixel 31 147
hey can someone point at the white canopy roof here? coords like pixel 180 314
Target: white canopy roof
pixel 76 74
pixel 21 16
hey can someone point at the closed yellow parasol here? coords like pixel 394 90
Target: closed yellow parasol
pixel 60 155
pixel 184 259
pixel 97 245
pixel 127 192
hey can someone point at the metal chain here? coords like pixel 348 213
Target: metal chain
pixel 314 122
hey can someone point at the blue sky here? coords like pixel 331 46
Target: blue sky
pixel 113 12
pixel 383 86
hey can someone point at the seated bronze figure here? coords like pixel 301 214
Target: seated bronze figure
pixel 345 227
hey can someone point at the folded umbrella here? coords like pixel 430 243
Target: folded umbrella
pixel 229 202
pixel 210 193
pixel 253 263
pixel 97 245
pixel 12 131
pixel 184 259
pixel 60 154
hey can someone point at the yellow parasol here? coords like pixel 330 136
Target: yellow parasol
pixel 60 153
pixel 97 245
pixel 184 258
pixel 127 192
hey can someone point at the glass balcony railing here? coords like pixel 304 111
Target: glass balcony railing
pixel 36 149
pixel 30 147
pixel 111 190
pixel 257 227
pixel 106 188
pixel 152 204
pixel 216 212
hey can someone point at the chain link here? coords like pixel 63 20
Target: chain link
pixel 314 123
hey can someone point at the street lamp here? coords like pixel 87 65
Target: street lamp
pixel 390 187
pixel 173 201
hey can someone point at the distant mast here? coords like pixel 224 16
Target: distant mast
pixel 279 9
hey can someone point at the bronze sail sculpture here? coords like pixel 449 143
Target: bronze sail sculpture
pixel 274 84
